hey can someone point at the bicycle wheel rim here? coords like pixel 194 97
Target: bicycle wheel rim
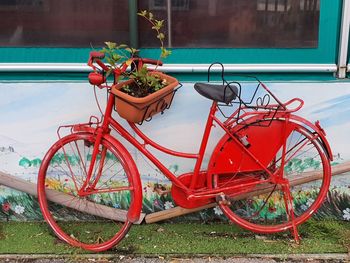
pixel 64 167
pixel 260 214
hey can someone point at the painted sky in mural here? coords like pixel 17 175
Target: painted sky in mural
pixel 31 113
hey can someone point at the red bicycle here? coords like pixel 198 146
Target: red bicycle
pixel 268 173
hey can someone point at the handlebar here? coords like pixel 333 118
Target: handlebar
pixel 97 54
pixel 96 57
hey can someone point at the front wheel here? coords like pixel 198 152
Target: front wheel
pixel 98 217
pixel 303 168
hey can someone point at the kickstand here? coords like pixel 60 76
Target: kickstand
pixel 288 200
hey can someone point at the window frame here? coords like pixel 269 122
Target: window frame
pixel 326 52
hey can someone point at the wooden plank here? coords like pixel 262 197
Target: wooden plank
pixel 67 200
pixel 263 189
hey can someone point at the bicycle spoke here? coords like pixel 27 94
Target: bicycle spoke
pixel 268 208
pixel 107 203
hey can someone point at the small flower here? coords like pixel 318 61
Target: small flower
pixel 272 208
pixel 346 214
pixel 156 202
pixel 19 209
pixel 304 207
pixel 6 207
pixel 116 206
pixel 97 199
pixel 168 205
pixel 217 211
pixel 310 202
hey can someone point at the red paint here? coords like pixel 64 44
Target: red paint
pixel 242 161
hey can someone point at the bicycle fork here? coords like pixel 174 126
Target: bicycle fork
pixel 88 187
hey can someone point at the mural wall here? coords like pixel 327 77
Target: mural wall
pixel 31 113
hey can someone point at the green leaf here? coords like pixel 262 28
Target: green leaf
pixel 121 46
pixel 111 45
pixel 161 36
pixel 165 53
pixel 156 27
pixel 142 13
pixel 116 57
pixel 131 50
pixel 159 23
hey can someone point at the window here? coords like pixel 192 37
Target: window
pixel 63 23
pixel 236 23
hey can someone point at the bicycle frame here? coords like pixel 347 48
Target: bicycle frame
pixel 191 191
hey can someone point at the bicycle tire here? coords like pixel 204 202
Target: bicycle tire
pixel 264 208
pixel 89 222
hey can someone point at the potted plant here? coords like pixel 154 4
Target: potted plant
pixel 140 93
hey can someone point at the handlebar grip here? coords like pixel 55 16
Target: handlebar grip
pixel 96 57
pixel 96 54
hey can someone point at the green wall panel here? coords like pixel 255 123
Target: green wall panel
pixel 325 53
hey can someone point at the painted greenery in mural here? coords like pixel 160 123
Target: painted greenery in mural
pixel 157 197
pixel 20 206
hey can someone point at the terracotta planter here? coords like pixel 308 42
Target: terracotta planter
pixel 139 109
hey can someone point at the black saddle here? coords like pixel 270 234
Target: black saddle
pixel 220 93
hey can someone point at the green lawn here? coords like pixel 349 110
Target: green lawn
pixel 186 239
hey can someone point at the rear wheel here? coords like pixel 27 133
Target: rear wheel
pixel 305 174
pixel 98 218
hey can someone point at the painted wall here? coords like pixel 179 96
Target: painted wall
pixel 31 113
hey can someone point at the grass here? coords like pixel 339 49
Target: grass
pixel 186 239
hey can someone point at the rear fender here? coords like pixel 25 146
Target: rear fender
pixel 316 127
